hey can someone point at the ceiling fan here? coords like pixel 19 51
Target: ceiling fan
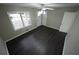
pixel 43 9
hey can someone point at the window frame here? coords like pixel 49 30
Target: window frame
pixel 21 19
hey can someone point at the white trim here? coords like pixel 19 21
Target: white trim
pixel 6 48
pixel 3 43
pixel 51 27
pixel 20 34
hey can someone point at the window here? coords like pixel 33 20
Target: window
pixel 20 20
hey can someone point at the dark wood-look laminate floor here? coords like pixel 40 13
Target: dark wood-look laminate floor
pixel 40 41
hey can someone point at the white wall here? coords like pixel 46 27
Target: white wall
pixel 55 17
pixel 52 18
pixel 71 46
pixel 7 30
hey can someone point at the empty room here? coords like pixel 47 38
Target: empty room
pixel 39 29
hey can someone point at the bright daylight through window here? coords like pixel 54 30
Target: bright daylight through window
pixel 20 20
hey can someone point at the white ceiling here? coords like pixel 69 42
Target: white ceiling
pixel 39 5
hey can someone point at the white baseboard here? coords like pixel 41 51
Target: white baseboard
pixel 51 27
pixel 23 33
pixel 20 34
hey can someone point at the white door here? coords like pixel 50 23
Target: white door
pixel 44 18
pixel 67 21
pixel 39 22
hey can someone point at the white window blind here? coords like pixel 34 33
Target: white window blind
pixel 20 20
pixel 26 19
